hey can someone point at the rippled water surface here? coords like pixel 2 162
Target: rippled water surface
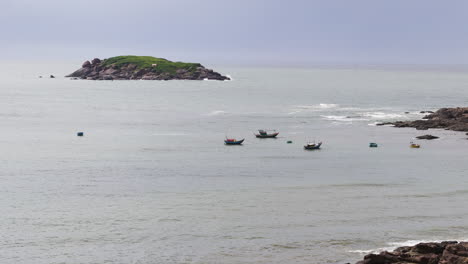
pixel 152 182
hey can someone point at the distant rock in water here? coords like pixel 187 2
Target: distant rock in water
pixel 449 252
pixel 143 68
pixel 428 137
pixel 455 119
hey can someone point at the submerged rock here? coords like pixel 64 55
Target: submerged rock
pixel 448 252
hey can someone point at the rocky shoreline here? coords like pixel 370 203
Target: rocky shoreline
pixel 455 119
pixel 143 68
pixel 448 252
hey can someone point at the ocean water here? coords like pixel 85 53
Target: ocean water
pixel 152 182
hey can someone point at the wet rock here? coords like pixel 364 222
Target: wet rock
pixel 449 252
pixel 455 119
pixel 428 137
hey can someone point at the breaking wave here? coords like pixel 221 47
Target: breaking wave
pixel 394 245
pixel 216 112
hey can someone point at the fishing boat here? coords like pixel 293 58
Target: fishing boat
pixel 414 145
pixel 311 146
pixel 373 145
pixel 264 134
pixel 233 141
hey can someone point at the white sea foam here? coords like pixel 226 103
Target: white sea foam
pixel 394 245
pixel 216 112
pixel 382 115
pixel 343 118
pixel 317 106
pixel 364 116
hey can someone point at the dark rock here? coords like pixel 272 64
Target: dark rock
pixel 384 123
pixel 429 137
pixel 86 64
pixel 96 61
pixel 455 119
pixel 449 252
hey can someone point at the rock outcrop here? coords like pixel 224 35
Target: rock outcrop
pixel 143 68
pixel 428 137
pixel 455 119
pixel 449 252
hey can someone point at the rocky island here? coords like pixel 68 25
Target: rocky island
pixel 455 119
pixel 449 252
pixel 143 68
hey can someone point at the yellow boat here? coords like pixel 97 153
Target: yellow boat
pixel 413 145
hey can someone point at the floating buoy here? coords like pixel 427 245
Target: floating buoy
pixel 80 134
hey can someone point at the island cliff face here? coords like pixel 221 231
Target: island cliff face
pixel 450 252
pixel 455 119
pixel 143 68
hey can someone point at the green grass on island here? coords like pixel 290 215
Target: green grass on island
pixel 146 62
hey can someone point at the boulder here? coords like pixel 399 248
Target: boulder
pixel 96 61
pixel 86 64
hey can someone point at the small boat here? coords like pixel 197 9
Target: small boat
pixel 414 145
pixel 264 134
pixel 373 145
pixel 310 146
pixel 232 141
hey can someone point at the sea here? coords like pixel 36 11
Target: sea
pixel 151 180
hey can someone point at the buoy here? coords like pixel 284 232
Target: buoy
pixel 80 134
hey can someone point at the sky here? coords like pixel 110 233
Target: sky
pixel 252 32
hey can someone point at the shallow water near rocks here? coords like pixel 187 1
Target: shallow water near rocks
pixel 152 182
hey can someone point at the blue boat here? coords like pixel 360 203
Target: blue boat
pixel 230 141
pixel 312 146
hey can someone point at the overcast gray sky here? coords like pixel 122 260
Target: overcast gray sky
pixel 239 31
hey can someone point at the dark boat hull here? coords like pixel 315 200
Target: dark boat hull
pixel 309 147
pixel 267 136
pixel 239 142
